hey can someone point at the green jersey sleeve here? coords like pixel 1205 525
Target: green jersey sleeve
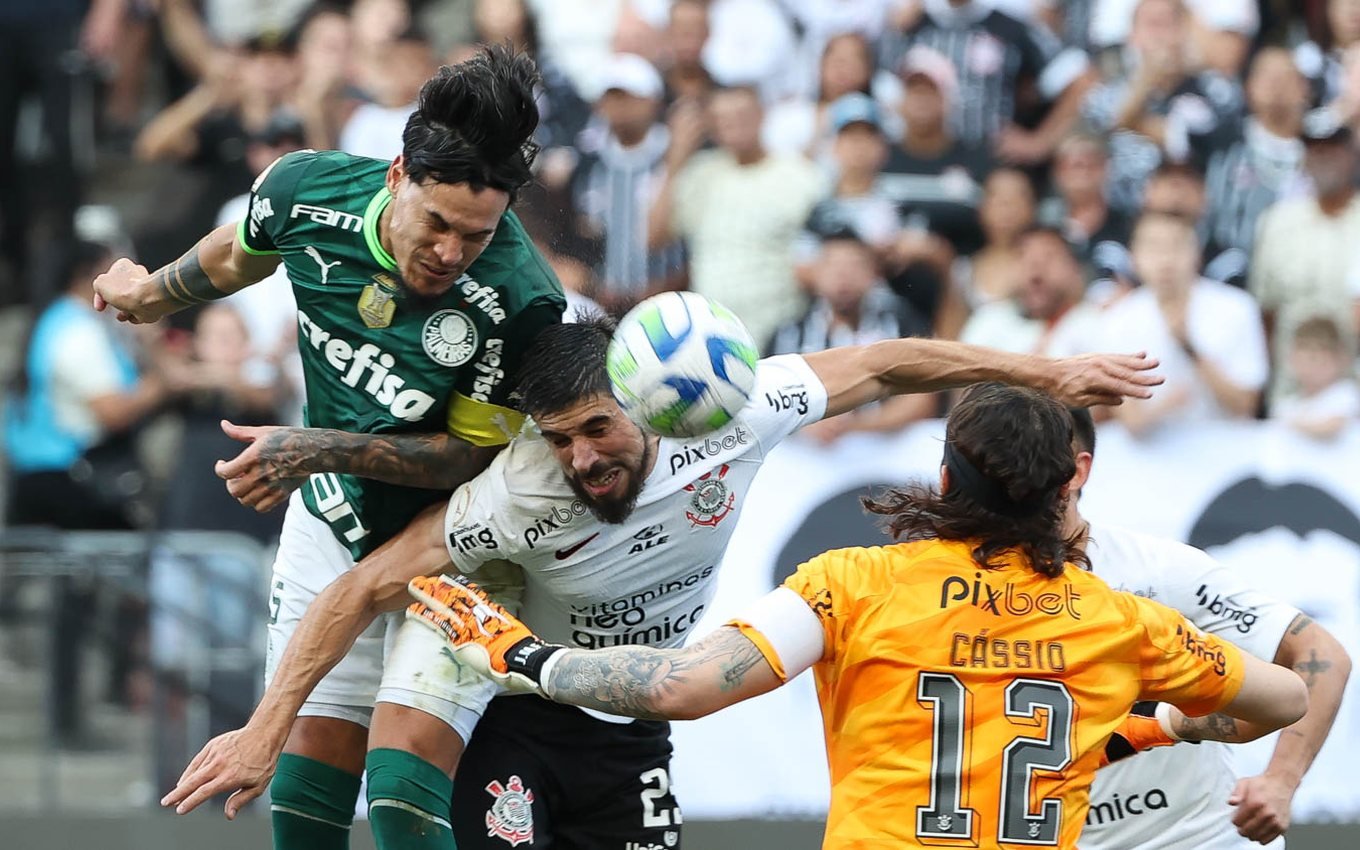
pixel 271 198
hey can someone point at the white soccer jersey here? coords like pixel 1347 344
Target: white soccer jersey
pixel 646 580
pixel 1177 797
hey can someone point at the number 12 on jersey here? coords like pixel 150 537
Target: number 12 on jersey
pixel 944 819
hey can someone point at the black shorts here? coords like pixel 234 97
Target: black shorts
pixel 537 774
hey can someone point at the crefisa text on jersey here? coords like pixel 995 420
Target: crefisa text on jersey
pixel 386 387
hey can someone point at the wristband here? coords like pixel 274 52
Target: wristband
pixel 528 657
pixel 1163 715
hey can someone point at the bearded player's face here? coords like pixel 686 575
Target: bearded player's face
pixel 604 455
pixel 436 230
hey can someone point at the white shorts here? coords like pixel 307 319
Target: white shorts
pixel 310 558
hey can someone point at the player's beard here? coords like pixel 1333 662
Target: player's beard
pixel 614 511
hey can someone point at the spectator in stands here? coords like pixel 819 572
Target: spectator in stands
pixel 750 43
pixel 268 308
pixel 1007 210
pixel 858 150
pixel 1080 209
pixel 686 35
pixel 73 462
pixel 738 207
pixel 1155 101
pixel 817 22
pixel 373 26
pixel 1207 335
pixel 1048 313
pixel 1331 66
pixel 800 125
pixel 324 52
pixel 1221 30
pixel 1327 398
pixel 935 178
pixel 374 128
pixel 38 62
pixel 853 306
pixel 1305 247
pixel 207 131
pixel 992 53
pixel 615 182
pixel 1249 164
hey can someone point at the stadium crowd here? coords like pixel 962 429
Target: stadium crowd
pixel 1175 176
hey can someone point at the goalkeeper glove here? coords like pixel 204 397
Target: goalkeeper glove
pixel 1147 726
pixel 482 633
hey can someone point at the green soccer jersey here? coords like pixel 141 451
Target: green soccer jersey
pixel 375 362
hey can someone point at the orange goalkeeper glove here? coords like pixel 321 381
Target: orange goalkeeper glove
pixel 482 633
pixel 1142 730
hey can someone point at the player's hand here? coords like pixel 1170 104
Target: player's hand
pixel 117 288
pixel 241 762
pixel 1262 807
pixel 1093 379
pixel 483 634
pixel 266 471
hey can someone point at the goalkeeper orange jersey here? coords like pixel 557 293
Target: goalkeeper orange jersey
pixel 968 708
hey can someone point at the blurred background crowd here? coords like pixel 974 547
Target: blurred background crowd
pixel 1174 176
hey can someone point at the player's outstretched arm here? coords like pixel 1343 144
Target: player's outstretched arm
pixel 214 268
pixel 278 459
pixel 243 761
pixel 857 375
pixel 725 667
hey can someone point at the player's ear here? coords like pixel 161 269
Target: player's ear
pixel 396 174
pixel 1082 475
pixel 944 479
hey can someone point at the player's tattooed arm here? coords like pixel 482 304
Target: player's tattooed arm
pixel 1320 660
pixel 184 282
pixel 435 461
pixel 663 684
pixel 279 459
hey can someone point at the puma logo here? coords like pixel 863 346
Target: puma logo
pixel 326 267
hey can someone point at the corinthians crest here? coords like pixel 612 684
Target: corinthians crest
pixel 511 816
pixel 376 304
pixel 712 499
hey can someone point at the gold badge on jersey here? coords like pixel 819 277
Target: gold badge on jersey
pixel 376 304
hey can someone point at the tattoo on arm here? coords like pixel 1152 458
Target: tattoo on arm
pixel 1211 727
pixel 1300 623
pixel 433 461
pixel 185 283
pixel 653 683
pixel 1312 668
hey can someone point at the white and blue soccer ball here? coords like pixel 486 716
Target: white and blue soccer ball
pixel 681 365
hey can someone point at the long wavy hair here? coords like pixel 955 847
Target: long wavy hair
pixel 1008 495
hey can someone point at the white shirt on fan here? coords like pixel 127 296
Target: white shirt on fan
pixel 1177 797
pixel 648 579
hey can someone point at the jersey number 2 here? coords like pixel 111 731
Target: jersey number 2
pixel 945 817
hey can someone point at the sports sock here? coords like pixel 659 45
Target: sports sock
pixel 408 802
pixel 312 804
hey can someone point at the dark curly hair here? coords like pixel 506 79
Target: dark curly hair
pixel 474 123
pixel 565 364
pixel 1009 452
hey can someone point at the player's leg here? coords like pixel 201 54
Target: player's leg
pixel 316 785
pixel 427 707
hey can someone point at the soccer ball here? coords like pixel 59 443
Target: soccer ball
pixel 681 364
